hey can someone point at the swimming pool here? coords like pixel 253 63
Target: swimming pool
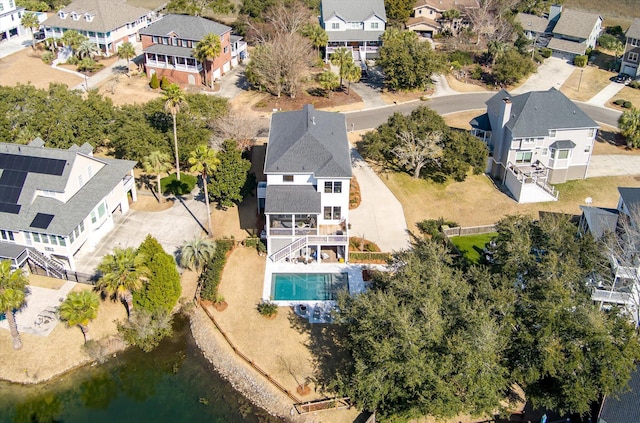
pixel 307 286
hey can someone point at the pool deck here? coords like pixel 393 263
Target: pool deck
pixel 356 283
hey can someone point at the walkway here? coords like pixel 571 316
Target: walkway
pixel 613 165
pixel 605 94
pixel 379 218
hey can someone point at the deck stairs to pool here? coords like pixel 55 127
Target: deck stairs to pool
pixel 291 250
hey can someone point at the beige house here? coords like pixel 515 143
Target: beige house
pixel 428 16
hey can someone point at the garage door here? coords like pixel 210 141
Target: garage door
pixel 629 70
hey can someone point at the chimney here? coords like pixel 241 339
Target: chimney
pixel 554 12
pixel 505 111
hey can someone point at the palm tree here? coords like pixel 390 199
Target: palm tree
pixel 629 124
pixel 79 309
pixel 317 35
pixel 329 81
pixel 207 49
pixel 496 49
pixel 87 49
pixel 73 39
pixel 122 273
pixel 30 20
pixel 204 160
pixel 157 162
pixel 352 73
pixel 126 51
pixel 174 101
pixel 196 253
pixel 339 58
pixel 12 284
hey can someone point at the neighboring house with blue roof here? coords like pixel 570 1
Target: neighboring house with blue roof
pixel 355 24
pixel 535 139
pixel 54 202
pixel 306 197
pixel 631 57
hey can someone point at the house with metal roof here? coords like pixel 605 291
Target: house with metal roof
pixel 574 32
pixel 428 16
pixel 631 56
pixel 354 24
pixel 306 195
pixel 168 49
pixel 106 23
pixel 54 202
pixel 535 139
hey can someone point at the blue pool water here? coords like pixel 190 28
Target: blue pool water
pixel 307 286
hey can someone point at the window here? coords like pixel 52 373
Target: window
pixel 545 151
pixel 7 235
pixel 102 209
pixel 355 25
pixel 53 239
pixel 634 42
pixel 633 57
pixel 154 39
pixel 528 140
pixel 524 156
pixel 587 148
pixel 226 49
pixel 75 16
pixel 374 25
pixel 287 178
pixel 80 180
pixel 62 242
pixel 332 213
pixel 94 219
pixel 90 172
pixel 591 132
pixel 333 187
pixel 45 238
pixel 335 25
pixel 2 8
pixel 552 133
pixel 560 154
pixel 10 3
pixel 36 237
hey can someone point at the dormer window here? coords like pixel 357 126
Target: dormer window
pixel 88 17
pixel 62 15
pixel 75 16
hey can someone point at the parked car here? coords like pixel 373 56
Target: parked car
pixel 39 35
pixel 622 78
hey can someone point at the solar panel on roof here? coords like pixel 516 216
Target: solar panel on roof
pixel 41 221
pixel 10 208
pixel 32 164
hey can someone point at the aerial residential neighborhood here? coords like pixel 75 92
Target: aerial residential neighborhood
pixel 320 210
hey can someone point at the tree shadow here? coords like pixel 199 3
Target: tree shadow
pixel 611 137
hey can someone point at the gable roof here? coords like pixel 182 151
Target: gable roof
pixel 630 197
pixel 534 113
pixel 185 27
pixel 625 408
pixel 532 22
pixel 634 29
pixel 574 23
pixel 600 220
pixel 107 15
pixel 442 5
pixel 353 10
pixel 308 141
pixel 573 47
pixel 66 216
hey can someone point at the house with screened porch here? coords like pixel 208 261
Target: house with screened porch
pixel 305 198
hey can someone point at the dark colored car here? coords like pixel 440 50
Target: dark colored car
pixel 39 35
pixel 623 78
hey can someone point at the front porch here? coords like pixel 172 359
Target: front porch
pixel 360 50
pixel 528 183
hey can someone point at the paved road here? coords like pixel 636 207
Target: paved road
pixel 366 119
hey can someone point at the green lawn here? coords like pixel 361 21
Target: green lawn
pixel 471 246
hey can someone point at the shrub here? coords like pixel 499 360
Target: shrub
pixel 48 57
pixel 588 51
pixel 476 73
pixel 464 58
pixel 89 65
pixel 538 58
pixel 170 185
pixel 546 52
pixel 267 309
pixel 145 330
pixel 635 84
pixel 164 84
pixel 72 60
pixel 580 61
pixel 212 274
pixel 154 82
pixel 619 102
pixel 627 105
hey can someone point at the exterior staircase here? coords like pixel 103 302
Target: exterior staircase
pixel 52 266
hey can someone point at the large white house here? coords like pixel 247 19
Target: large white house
pixel 106 23
pixel 631 56
pixel 306 195
pixel 53 202
pixel 10 17
pixel 355 24
pixel 535 139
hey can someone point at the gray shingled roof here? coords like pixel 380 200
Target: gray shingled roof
pixel 185 27
pixel 66 215
pixel 630 197
pixel 563 145
pixel 534 113
pixel 634 29
pixel 532 22
pixel 600 220
pixel 10 251
pixel 626 408
pixel 573 47
pixel 481 122
pixel 353 10
pixel 170 50
pixel 108 15
pixel 308 141
pixel 574 23
pixel 354 35
pixel 301 199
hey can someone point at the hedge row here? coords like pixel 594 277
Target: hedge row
pixel 366 257
pixel 212 273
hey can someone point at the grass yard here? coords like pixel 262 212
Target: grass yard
pixel 627 93
pixel 585 83
pixel 471 246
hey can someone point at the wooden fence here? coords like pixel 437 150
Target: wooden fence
pixel 470 230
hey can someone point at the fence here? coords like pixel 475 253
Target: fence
pixel 322 405
pixel 67 275
pixel 470 230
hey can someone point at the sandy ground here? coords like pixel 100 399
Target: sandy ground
pixel 128 90
pixel 26 66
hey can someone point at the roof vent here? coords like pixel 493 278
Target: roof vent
pixel 574 112
pixel 313 120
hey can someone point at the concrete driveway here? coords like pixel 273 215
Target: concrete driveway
pixel 552 73
pixel 613 165
pixel 170 227
pixel 379 218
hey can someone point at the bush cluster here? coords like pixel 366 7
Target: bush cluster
pixel 267 308
pixel 212 274
pixel 580 61
pixel 154 83
pixel 464 58
pixel 624 103
pixel 546 52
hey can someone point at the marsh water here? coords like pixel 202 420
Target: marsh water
pixel 173 383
